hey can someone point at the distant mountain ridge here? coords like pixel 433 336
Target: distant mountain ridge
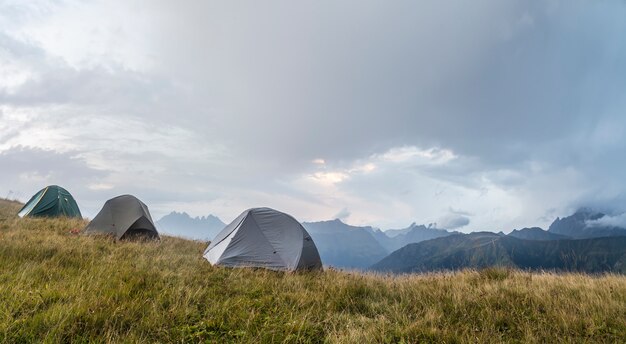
pixel 577 226
pixel 579 242
pixel 395 232
pixel 345 246
pixel 183 225
pixel 413 234
pixel 353 247
pixel 536 233
pixel 342 245
pixel 485 249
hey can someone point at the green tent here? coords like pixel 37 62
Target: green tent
pixel 51 201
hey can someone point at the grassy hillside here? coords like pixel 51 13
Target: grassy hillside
pixel 59 287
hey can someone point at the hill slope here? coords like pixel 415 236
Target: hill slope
pixel 480 250
pixel 59 287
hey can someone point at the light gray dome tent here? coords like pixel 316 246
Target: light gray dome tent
pixel 264 237
pixel 124 217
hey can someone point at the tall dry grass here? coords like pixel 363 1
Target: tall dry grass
pixel 59 287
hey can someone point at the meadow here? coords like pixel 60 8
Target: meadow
pixel 59 286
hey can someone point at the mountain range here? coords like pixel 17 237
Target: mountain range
pixel 345 246
pixel 183 225
pixel 484 249
pixel 573 243
pixel 339 244
pixel 401 237
pixel 536 233
pixel 568 242
pixel 585 223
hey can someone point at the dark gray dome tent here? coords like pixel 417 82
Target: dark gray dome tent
pixel 266 238
pixel 124 217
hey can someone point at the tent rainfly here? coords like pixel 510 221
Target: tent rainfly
pixel 51 201
pixel 266 238
pixel 124 217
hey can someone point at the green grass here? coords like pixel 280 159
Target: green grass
pixel 60 287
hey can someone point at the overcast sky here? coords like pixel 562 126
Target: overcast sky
pixel 476 115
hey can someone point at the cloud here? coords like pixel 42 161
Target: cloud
pixel 27 170
pixel 512 111
pixel 469 82
pixel 453 221
pixel 609 221
pixel 343 214
pixel 431 156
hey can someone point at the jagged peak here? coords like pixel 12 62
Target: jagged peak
pixel 185 216
pixel 333 221
pixel 176 213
